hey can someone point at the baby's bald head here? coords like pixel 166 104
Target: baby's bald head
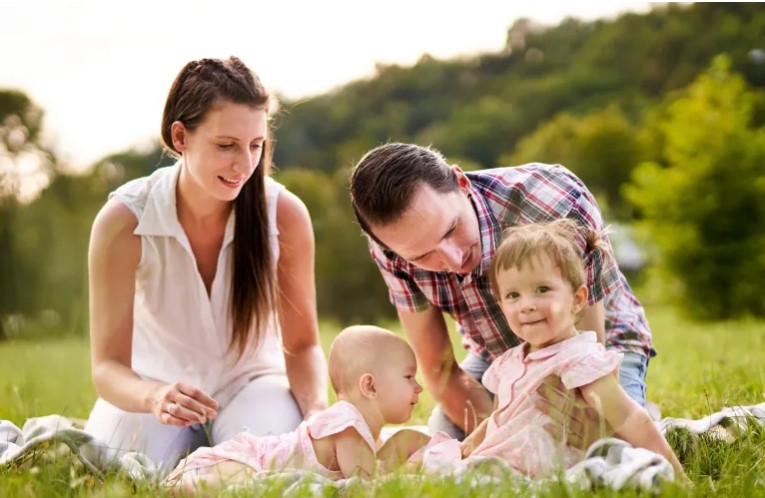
pixel 358 350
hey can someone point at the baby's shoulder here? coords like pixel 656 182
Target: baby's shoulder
pixel 337 419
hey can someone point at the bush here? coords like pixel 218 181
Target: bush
pixel 704 207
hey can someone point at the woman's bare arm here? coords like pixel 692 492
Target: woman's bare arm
pixel 306 364
pixel 113 257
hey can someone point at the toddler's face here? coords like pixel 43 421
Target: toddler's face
pixel 538 303
pixel 398 389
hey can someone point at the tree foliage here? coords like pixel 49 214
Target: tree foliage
pixel 25 165
pixel 602 148
pixel 599 97
pixel 349 286
pixel 704 207
pixel 479 107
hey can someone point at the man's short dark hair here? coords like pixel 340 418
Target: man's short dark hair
pixel 384 181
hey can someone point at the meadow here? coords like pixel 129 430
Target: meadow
pixel 700 369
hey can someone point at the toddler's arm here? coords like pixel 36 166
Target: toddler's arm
pixel 630 421
pixel 354 456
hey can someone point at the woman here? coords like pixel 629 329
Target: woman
pixel 194 271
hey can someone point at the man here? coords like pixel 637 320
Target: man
pixel 433 230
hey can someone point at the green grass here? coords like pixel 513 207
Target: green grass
pixel 700 369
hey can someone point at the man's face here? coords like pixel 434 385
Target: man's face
pixel 437 232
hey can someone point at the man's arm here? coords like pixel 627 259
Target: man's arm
pixel 573 420
pixel 594 318
pixel 462 397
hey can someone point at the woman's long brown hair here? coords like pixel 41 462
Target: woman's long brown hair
pixel 200 85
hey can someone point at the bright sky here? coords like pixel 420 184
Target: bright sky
pixel 101 70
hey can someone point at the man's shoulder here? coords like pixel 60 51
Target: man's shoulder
pixel 525 174
pixel 527 193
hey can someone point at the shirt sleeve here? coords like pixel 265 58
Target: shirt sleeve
pixel 403 291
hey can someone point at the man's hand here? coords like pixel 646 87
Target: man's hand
pixel 574 421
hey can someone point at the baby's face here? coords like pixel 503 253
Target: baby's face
pixel 398 390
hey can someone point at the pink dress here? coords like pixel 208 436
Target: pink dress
pixel 515 431
pixel 293 450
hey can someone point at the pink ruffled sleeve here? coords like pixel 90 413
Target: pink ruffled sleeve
pixel 591 367
pixel 336 419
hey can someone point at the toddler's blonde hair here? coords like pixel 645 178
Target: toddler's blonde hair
pixel 561 240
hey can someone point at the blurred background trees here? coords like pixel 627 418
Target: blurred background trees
pixel 667 133
pixel 703 204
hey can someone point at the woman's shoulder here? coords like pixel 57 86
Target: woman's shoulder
pixel 135 193
pixel 293 221
pixel 112 237
pixel 116 222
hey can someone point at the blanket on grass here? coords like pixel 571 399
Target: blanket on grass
pixel 608 462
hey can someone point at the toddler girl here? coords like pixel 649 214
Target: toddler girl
pixel 537 275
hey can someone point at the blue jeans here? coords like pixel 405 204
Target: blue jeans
pixel 631 377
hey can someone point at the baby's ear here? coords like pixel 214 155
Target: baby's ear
pixel 367 386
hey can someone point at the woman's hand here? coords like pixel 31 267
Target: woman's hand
pixel 182 404
pixel 574 421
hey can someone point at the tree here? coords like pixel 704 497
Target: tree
pixel 25 166
pixel 602 148
pixel 704 207
pixel 349 286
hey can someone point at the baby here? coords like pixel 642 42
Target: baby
pixel 372 370
pixel 537 275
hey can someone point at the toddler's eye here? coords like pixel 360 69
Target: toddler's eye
pixel 543 289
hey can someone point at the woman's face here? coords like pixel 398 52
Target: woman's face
pixel 224 150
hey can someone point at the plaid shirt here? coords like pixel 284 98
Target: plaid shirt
pixel 505 197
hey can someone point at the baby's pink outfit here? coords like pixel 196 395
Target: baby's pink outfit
pixel 293 450
pixel 515 431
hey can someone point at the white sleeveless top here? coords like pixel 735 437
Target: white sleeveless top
pixel 179 332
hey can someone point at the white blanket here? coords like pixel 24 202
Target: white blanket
pixel 608 462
